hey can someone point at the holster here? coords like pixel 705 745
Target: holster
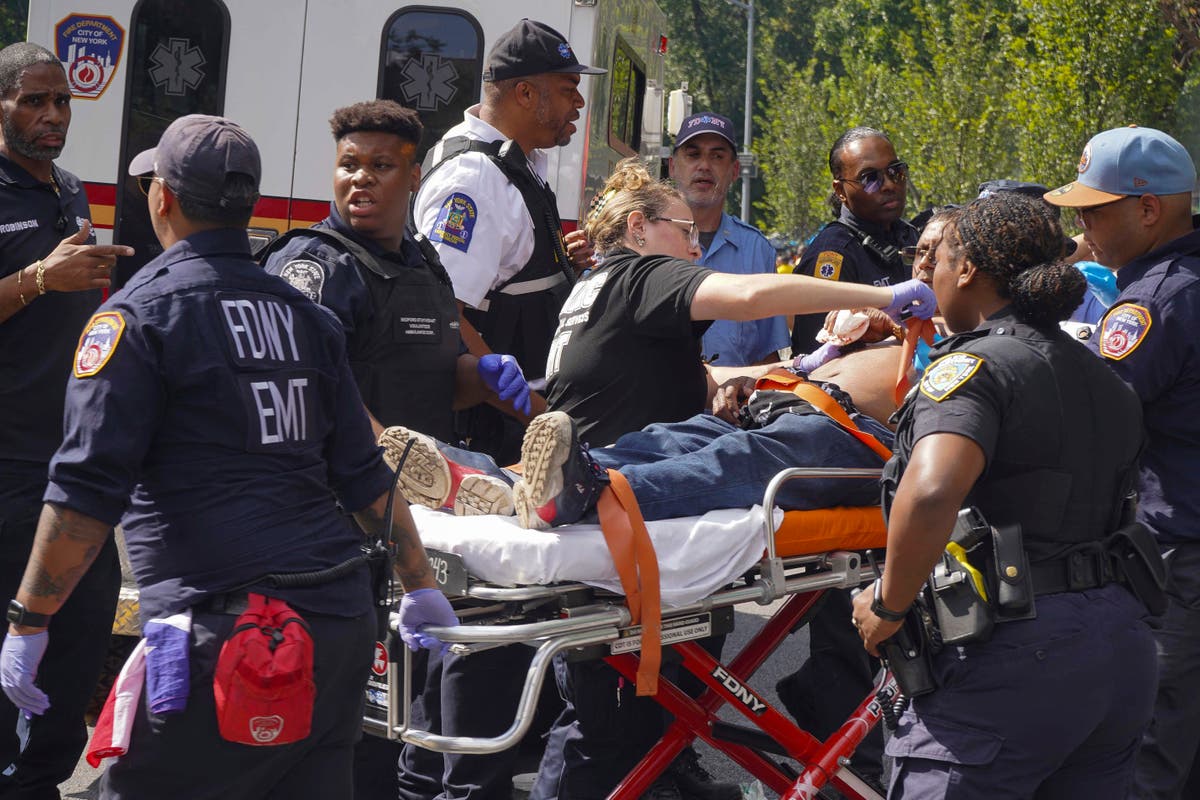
pixel 909 655
pixel 1014 579
pixel 1137 558
pixel 957 589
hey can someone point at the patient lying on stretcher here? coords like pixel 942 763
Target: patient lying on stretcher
pixel 711 461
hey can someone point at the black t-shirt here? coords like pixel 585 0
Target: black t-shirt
pixel 627 352
pixel 38 341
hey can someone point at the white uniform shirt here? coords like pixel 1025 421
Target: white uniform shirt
pixel 475 218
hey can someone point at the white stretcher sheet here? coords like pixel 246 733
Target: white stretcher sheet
pixel 696 555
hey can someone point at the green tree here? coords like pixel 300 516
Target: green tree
pixel 968 92
pixel 14 16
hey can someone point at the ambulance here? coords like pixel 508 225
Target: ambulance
pixel 280 67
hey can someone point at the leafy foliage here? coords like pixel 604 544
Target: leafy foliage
pixel 968 91
pixel 13 17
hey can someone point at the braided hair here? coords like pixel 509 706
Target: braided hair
pixel 1017 242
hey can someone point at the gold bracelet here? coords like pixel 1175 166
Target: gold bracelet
pixel 20 291
pixel 41 277
pixel 898 331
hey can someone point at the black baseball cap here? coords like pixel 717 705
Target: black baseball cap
pixel 532 48
pixel 194 155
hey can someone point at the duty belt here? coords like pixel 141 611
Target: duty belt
pixel 524 287
pixel 1074 572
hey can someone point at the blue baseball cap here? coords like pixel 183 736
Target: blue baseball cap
pixel 707 122
pixel 1127 161
pixel 195 153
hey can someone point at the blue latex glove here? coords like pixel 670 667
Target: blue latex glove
pixel 913 296
pixel 19 659
pixel 425 607
pixel 1102 281
pixel 825 353
pixel 502 374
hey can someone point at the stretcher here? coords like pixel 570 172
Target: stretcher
pixel 767 555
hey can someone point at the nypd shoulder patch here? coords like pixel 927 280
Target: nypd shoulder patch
pixel 1124 328
pixel 98 343
pixel 455 222
pixel 305 276
pixel 829 265
pixel 944 376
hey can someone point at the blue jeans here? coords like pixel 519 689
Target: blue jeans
pixel 681 469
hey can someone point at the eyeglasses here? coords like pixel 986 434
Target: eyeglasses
pixel 1081 214
pixel 693 233
pixel 913 254
pixel 871 180
pixel 144 181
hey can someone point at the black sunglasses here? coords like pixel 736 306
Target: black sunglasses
pixel 871 180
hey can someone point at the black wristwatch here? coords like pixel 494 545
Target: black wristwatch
pixel 878 608
pixel 20 615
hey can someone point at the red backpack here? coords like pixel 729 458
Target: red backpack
pixel 264 678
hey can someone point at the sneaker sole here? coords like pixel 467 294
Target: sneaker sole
pixel 483 494
pixel 526 511
pixel 544 450
pixel 425 478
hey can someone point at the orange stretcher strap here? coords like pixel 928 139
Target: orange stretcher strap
pixel 914 329
pixel 637 566
pixel 783 380
pixel 820 530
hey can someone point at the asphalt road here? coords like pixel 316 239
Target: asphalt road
pixel 83 785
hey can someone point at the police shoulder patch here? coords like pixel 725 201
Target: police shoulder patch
pixel 455 222
pixel 1124 328
pixel 829 265
pixel 944 376
pixel 98 343
pixel 305 276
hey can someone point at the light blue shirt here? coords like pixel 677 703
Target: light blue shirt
pixel 740 249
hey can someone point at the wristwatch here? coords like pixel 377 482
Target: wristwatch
pixel 877 606
pixel 20 615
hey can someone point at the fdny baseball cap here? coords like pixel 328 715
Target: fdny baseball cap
pixel 707 122
pixel 532 48
pixel 1127 161
pixel 194 155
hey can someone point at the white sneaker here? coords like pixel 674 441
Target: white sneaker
pixel 430 479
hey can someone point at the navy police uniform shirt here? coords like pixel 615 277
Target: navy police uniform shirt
pixel 419 345
pixel 1149 337
pixel 38 340
pixel 1060 435
pixel 212 406
pixel 837 254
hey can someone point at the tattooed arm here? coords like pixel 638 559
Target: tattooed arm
pixel 412 566
pixel 65 546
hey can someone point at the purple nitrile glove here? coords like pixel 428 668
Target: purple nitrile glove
pixel 823 354
pixel 422 607
pixel 502 374
pixel 914 296
pixel 19 659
